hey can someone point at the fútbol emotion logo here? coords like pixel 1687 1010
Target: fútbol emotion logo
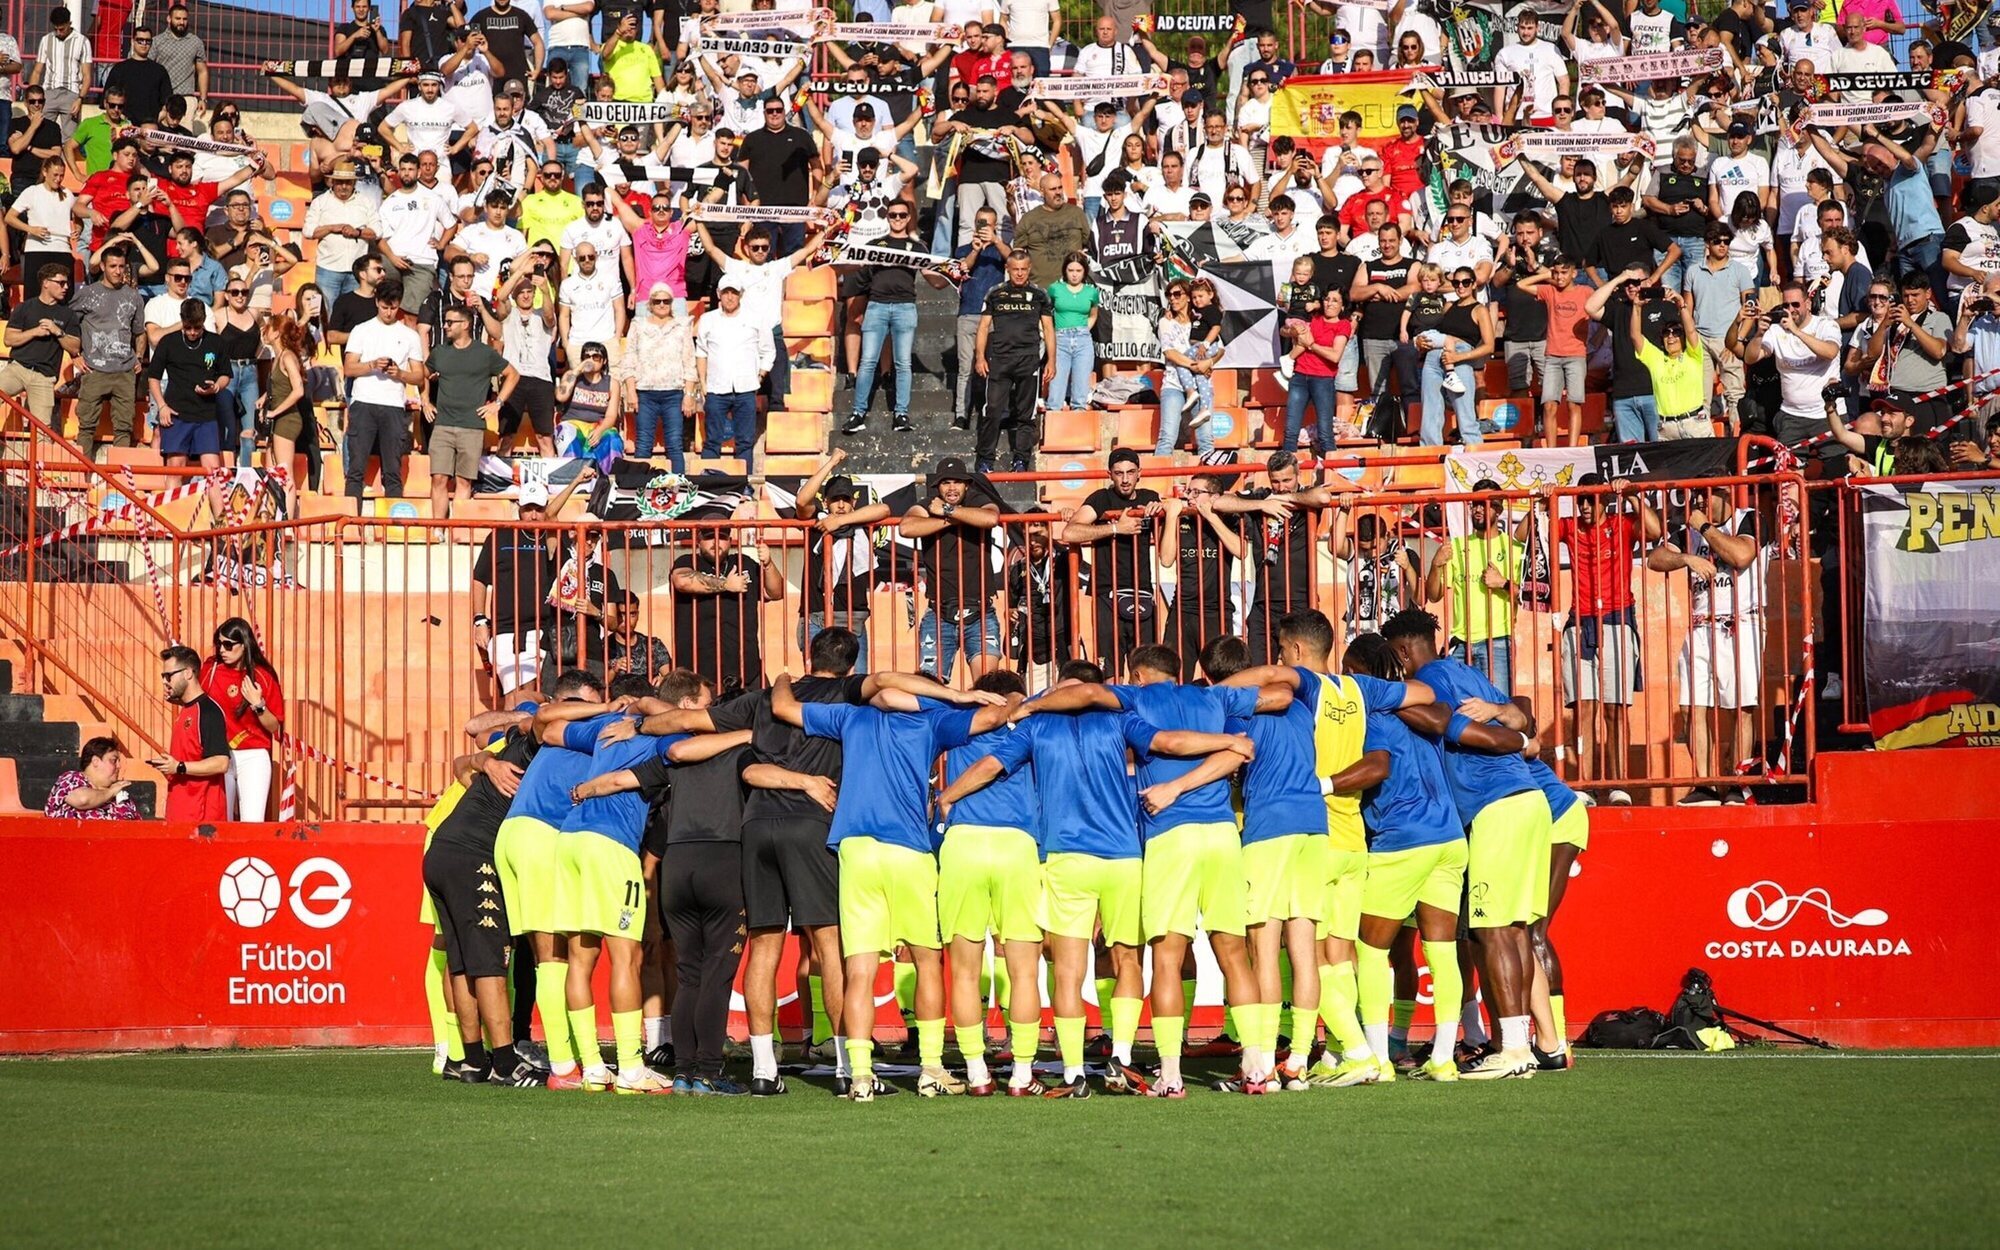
pixel 318 894
pixel 1766 906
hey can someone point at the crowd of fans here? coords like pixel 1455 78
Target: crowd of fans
pixel 527 267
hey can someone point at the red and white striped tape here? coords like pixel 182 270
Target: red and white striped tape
pixel 132 507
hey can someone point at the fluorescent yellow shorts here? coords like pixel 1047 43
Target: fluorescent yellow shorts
pixel 888 895
pixel 1573 827
pixel 1085 891
pixel 1285 878
pixel 524 854
pixel 1194 879
pixel 600 887
pixel 989 880
pixel 1506 856
pixel 1346 871
pixel 1398 880
pixel 427 909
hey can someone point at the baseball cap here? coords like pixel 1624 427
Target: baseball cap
pixel 1408 111
pixel 951 469
pixel 730 283
pixel 841 487
pixel 1201 198
pixel 1740 130
pixel 1192 96
pixel 533 494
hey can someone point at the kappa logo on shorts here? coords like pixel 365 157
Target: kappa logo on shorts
pixel 487 887
pixel 486 870
pixel 1478 895
pixel 487 904
pixel 487 922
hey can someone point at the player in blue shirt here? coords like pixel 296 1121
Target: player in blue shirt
pixel 1508 844
pixel 524 857
pixel 1090 839
pixel 888 865
pixel 1193 874
pixel 1304 853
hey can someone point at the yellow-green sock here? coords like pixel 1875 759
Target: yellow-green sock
pixel 861 1058
pixel 1106 987
pixel 1024 1037
pixel 1168 1035
pixel 971 1039
pixel 1374 984
pixel 628 1029
pixel 1267 1029
pixel 583 1030
pixel 1447 988
pixel 1003 984
pixel 1125 1014
pixel 1069 1041
pixel 1297 1026
pixel 1401 1012
pixel 437 996
pixel 1336 1007
pixel 1187 1004
pixel 554 1011
pixel 930 1042
pixel 822 1023
pixel 1562 1021
pixel 906 991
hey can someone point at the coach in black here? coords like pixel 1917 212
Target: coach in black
pixel 1016 354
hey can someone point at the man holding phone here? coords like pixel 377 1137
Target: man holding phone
pixel 1805 346
pixel 1718 289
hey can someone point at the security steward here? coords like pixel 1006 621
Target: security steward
pixel 1016 354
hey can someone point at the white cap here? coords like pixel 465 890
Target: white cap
pixel 730 283
pixel 534 494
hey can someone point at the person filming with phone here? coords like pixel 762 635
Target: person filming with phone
pixel 1804 345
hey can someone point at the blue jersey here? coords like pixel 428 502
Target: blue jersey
pixel 622 816
pixel 1281 786
pixel 1477 778
pixel 548 779
pixel 1412 806
pixel 1201 709
pixel 1089 804
pixel 1010 801
pixel 1561 797
pixel 885 790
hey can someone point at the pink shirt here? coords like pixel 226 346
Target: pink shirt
pixel 660 256
pixel 1877 10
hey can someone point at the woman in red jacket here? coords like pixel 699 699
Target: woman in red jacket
pixel 242 682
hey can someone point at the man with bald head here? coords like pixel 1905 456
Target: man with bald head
pixel 1051 231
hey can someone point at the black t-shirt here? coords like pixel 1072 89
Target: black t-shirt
pixel 979 164
pixel 1580 222
pixel 44 354
pixel 1118 240
pixel 349 311
pixel 184 366
pixel 1336 272
pixel 1383 318
pixel 705 798
pixel 507 36
pixel 780 164
pixel 716 634
pixel 891 284
pixel 778 743
pixel 146 85
pixel 430 31
pixel 553 106
pixel 1629 378
pixel 1282 548
pixel 1017 313
pixel 1527 315
pixel 365 49
pixel 1742 34
pixel 27 171
pixel 475 819
pixel 1674 187
pixel 521 571
pixel 1204 568
pixel 1120 552
pixel 1620 247
pixel 958 569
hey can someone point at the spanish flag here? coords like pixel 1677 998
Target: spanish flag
pixel 1309 106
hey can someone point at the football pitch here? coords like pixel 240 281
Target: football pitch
pixel 369 1149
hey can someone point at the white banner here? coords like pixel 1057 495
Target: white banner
pixel 1833 116
pixel 1653 65
pixel 764 212
pixel 765 49
pixel 885 32
pixel 353 67
pixel 798 21
pixel 621 113
pixel 1565 143
pixel 1095 88
pixel 891 257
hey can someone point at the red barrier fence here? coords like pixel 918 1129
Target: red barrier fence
pixel 239 37
pixel 149 935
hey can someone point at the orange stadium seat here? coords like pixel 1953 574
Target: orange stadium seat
pixel 788 433
pixel 819 283
pixel 1070 430
pixel 808 317
pixel 811 391
pixel 1137 427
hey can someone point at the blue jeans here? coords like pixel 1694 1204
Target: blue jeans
pixel 814 628
pixel 242 391
pixel 731 417
pixel 659 414
pixel 1465 404
pixel 1636 418
pixel 579 59
pixel 1181 385
pixel 1495 659
pixel 1092 206
pixel 1924 256
pixel 944 226
pixel 1075 354
pixel 1324 396
pixel 1347 377
pixel 898 324
pixel 1675 278
pixel 940 641
pixel 332 284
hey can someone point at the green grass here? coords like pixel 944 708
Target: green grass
pixel 354 1149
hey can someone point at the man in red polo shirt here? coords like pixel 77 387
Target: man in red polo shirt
pixel 193 198
pixel 198 748
pixel 1401 154
pixel 986 54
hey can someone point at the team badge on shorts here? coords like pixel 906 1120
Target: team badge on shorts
pixel 624 919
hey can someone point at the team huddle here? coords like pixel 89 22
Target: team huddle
pixel 1304 819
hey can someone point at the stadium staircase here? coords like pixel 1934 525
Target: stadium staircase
pixel 35 750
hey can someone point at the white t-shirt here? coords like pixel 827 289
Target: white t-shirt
pixel 569 32
pixel 470 88
pixel 1789 168
pixel 1818 43
pixel 1449 256
pixel 1543 67
pixel 763 286
pixel 1733 175
pixel 1606 162
pixel 1805 241
pixel 1651 33
pixel 689 150
pixel 1090 142
pixel 591 301
pixel 410 222
pixel 870 204
pixel 497 246
pixel 1873 58
pixel 428 123
pixel 1216 168
pixel 165 310
pixel 1366 28
pixel 608 235
pixel 1981 250
pixel 1029 23
pixel 49 210
pixel 373 340
pixel 1983 110
pixel 1098 61
pixel 1747 248
pixel 1170 200
pixel 1802 375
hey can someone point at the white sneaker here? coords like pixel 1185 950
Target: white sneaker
pixel 1286 366
pixel 642 1080
pixel 1450 384
pixel 1620 798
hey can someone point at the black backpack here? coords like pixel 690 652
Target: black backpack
pixel 1635 1028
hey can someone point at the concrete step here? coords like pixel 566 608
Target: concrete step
pixel 20 707
pixel 20 739
pixel 6 676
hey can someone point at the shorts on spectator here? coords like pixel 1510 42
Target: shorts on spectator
pixel 1612 676
pixel 1525 363
pixel 190 436
pixel 1563 376
pixel 516 658
pixel 1721 665
pixel 455 451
